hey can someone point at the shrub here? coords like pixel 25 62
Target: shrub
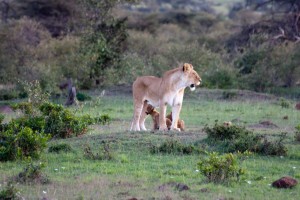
pixel 284 103
pixel 21 144
pixel 83 97
pixel 238 139
pixel 273 148
pixel 103 119
pixel 61 122
pixel 32 173
pixel 220 168
pixel 104 154
pixel 58 148
pixel 221 132
pixel 173 147
pixel 10 192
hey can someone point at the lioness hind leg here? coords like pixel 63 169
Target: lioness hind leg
pixel 135 126
pixel 143 116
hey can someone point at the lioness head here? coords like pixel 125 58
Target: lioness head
pixel 191 75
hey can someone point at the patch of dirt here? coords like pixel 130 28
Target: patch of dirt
pixel 178 186
pixel 264 124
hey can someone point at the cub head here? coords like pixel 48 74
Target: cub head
pixel 150 109
pixel 191 76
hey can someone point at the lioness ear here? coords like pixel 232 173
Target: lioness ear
pixel 186 67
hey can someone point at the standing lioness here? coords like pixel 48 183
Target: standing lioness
pixel 162 91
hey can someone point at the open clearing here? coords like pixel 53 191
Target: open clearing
pixel 136 173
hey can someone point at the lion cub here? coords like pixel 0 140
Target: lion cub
pixel 180 123
pixel 155 117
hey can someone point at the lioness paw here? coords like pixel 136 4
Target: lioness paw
pixel 175 129
pixel 163 128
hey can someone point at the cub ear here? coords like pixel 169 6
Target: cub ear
pixel 187 67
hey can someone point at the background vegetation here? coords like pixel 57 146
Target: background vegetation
pixel 233 44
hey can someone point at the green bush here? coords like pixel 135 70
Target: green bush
pixel 238 139
pixel 58 148
pixel 221 132
pixel 21 143
pixel 60 122
pixel 83 97
pixel 173 147
pixel 220 168
pixel 10 192
pixel 284 103
pixel 32 173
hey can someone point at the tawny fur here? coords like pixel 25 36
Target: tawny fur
pixel 160 92
pixel 155 118
pixel 180 123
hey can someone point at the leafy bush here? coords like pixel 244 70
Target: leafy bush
pixel 10 192
pixel 60 122
pixel 238 139
pixel 220 168
pixel 221 132
pixel 58 148
pixel 284 103
pixel 21 143
pixel 273 148
pixel 173 147
pixel 104 154
pixel 32 173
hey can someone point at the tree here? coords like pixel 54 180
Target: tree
pixel 103 39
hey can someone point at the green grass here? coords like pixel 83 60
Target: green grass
pixel 135 172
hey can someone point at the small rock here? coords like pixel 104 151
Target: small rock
pixel 181 187
pixel 285 182
pixel 204 190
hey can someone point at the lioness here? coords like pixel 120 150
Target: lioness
pixel 159 92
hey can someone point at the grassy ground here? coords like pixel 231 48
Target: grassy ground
pixel 135 172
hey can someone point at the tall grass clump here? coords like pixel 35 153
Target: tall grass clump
pixel 173 147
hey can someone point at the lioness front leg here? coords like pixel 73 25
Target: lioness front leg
pixel 162 117
pixel 175 116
